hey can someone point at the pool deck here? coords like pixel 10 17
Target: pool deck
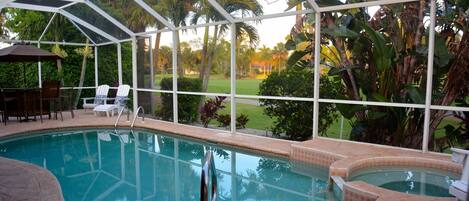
pixel 24 181
pixel 342 157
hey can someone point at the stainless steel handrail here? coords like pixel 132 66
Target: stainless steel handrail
pixel 136 116
pixel 119 117
pixel 208 170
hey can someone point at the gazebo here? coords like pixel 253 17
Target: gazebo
pixel 101 28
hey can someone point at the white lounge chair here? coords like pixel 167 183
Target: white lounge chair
pixel 99 99
pixel 119 101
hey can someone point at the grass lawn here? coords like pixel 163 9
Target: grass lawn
pixel 220 84
pixel 244 86
pixel 257 118
pixel 334 129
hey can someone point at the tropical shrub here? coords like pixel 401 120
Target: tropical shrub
pixel 224 120
pixel 241 121
pixel 295 118
pixel 187 104
pixel 210 108
pixel 383 58
pixel 457 134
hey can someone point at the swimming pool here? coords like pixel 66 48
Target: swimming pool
pixel 108 164
pixel 418 181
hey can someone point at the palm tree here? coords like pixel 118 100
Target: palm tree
pixel 279 56
pixel 209 14
pixel 177 12
pixel 86 52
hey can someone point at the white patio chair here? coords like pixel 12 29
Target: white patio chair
pixel 119 101
pixel 99 99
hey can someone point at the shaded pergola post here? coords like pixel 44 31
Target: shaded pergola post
pixel 428 93
pixel 39 69
pixel 96 81
pixel 39 64
pixel 134 74
pixel 175 77
pixel 317 66
pixel 152 76
pixel 233 78
pixel 119 63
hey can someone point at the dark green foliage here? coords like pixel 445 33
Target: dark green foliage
pixel 295 118
pixel 456 134
pixel 224 120
pixel 11 74
pixel 241 121
pixel 188 104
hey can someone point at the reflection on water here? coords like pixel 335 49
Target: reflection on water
pixel 120 165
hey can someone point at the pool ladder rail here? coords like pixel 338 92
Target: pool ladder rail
pixel 207 168
pixel 119 117
pixel 140 108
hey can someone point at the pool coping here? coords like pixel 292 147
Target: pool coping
pixel 26 181
pixel 342 157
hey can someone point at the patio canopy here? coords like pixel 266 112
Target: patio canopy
pixel 26 53
pixel 103 25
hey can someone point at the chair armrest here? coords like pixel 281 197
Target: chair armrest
pixel 86 99
pixel 461 151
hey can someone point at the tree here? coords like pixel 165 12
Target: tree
pixel 294 118
pixel 209 14
pixel 87 53
pixel 164 60
pixel 177 12
pixel 244 55
pixel 383 58
pixel 189 57
pixel 3 30
pixel 28 25
pixel 279 56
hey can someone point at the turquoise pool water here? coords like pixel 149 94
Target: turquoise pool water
pixel 416 181
pixel 102 165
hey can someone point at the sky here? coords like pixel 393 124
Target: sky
pixel 271 31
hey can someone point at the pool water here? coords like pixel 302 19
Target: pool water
pixel 105 164
pixel 418 181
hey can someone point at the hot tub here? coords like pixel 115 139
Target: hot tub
pixel 410 180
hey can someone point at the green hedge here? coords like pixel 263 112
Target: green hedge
pixel 295 118
pixel 187 104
